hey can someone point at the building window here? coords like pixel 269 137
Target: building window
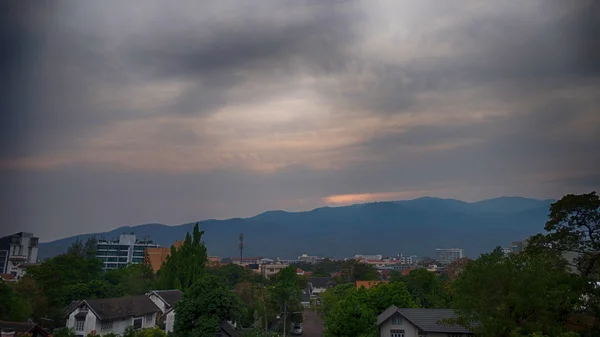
pixel 396 320
pixel 150 318
pixel 106 325
pixel 137 323
pixel 396 333
pixel 79 324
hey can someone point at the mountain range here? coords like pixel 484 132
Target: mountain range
pixel 411 227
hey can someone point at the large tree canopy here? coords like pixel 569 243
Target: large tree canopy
pixel 574 226
pixel 203 306
pixel 499 295
pixel 184 265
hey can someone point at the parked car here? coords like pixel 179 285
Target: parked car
pixel 297 330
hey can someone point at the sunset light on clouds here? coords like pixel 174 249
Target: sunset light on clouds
pixel 223 109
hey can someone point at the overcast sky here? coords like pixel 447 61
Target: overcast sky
pixel 127 112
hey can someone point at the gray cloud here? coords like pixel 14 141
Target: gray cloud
pixel 465 101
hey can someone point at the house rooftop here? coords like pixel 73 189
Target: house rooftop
pixel 427 320
pixel 169 296
pixel 120 307
pixel 319 282
pixel 368 284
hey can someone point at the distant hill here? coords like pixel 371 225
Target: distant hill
pixel 410 226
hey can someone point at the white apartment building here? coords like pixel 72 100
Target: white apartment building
pixel 16 252
pixel 449 255
pixel 369 257
pixel 119 253
pixel 309 259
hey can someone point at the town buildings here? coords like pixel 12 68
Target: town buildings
pixel 119 253
pixel 449 255
pixel 17 252
pixel 368 257
pixel 309 259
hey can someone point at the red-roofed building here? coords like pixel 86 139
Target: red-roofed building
pixel 299 271
pixel 8 277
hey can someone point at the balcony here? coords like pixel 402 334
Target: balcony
pixel 17 258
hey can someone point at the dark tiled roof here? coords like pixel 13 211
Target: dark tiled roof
pixel 320 282
pixel 24 327
pixel 425 319
pixel 113 308
pixel 71 307
pixel 169 296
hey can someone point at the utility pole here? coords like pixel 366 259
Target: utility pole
pixel 284 317
pixel 241 247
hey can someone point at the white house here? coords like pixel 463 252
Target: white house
pixel 319 284
pixel 112 315
pixel 417 322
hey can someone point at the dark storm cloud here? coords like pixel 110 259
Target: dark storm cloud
pixel 474 95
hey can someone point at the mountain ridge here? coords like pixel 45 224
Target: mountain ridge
pixel 414 226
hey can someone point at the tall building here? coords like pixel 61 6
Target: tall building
pixel 369 257
pixel 449 255
pixel 16 251
pixel 120 253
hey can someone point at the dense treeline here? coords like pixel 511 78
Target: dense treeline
pixel 534 293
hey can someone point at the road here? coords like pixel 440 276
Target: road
pixel 312 325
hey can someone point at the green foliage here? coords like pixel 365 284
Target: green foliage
pixel 184 265
pixel 148 332
pixel 12 306
pixel 135 279
pixel 574 226
pixel 87 250
pixel 64 277
pixel 521 293
pixel 64 332
pixel 206 303
pixel 233 274
pixel 426 289
pixel 353 270
pixel 348 311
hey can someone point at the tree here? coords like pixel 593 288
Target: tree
pixel 64 332
pixel 351 317
pixel 184 265
pixel 574 226
pixel 28 290
pixel 87 250
pixel 286 292
pixel 383 295
pixel 519 293
pixel 353 270
pixel 204 306
pixel 12 306
pixel 455 268
pixel 55 276
pixel 426 289
pixel 135 279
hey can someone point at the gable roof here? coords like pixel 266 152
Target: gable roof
pixel 121 307
pixel 319 282
pixel 24 327
pixel 71 307
pixel 424 319
pixel 170 297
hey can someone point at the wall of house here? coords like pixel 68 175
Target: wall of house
pixel 170 321
pixel 409 329
pixel 89 324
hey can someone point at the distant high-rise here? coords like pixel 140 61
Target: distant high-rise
pixel 449 255
pixel 120 253
pixel 518 246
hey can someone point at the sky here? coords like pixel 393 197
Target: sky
pixel 118 113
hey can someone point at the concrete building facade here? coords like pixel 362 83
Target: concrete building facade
pixel 449 255
pixel 119 253
pixel 16 251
